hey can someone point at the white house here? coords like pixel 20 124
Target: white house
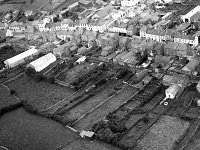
pixel 172 91
pixel 42 62
pixel 189 16
pixel 21 58
pixel 129 3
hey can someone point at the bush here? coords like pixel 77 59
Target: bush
pixel 99 125
pixel 30 71
pixel 51 80
pixel 12 92
pixel 145 120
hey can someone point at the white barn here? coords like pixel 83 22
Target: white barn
pixel 42 62
pixel 21 58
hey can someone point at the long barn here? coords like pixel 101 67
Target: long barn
pixel 21 58
pixel 42 62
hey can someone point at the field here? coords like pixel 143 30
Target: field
pixel 164 134
pixel 39 94
pixel 111 104
pixel 81 109
pixel 21 130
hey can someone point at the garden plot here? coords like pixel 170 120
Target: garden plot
pixel 41 94
pixel 140 127
pixel 164 134
pixel 110 105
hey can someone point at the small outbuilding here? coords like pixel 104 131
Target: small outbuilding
pixel 87 134
pixel 42 62
pixel 172 91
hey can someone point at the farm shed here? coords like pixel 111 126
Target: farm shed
pixel 42 62
pixel 172 91
pixel 21 58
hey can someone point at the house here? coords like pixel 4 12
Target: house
pixel 175 49
pixel 180 79
pixel 73 5
pixel 191 15
pixel 198 87
pixel 107 50
pixel 102 13
pixel 143 31
pixel 167 80
pixel 28 13
pixel 191 66
pixel 123 41
pixel 42 62
pixel 21 58
pixel 129 3
pixel 2 26
pixel 172 91
pixel 156 34
pixel 85 3
pixel 56 26
pixel 108 39
pixel 157 49
pixel 162 60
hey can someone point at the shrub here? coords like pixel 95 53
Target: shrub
pixel 12 92
pixel 51 80
pixel 99 125
pixel 30 71
pixel 145 120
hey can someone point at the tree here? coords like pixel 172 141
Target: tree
pixel 12 92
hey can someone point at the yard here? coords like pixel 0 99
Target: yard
pixel 39 94
pixel 164 134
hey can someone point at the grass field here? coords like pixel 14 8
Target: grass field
pixel 164 134
pixel 23 131
pixel 40 94
pixel 6 98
